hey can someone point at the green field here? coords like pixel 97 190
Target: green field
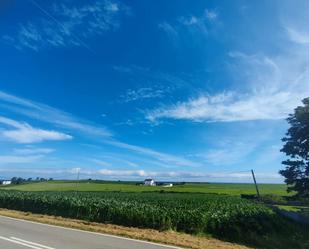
pixel 191 213
pixel 221 216
pixel 213 188
pixel 211 209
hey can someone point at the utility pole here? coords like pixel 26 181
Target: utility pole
pixel 77 178
pixel 256 186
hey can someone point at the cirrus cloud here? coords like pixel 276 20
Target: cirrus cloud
pixel 272 87
pixel 24 133
pixel 62 22
pixel 229 107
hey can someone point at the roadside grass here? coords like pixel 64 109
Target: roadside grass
pixel 164 237
pixel 212 188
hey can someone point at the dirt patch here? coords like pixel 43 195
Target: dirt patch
pixel 165 237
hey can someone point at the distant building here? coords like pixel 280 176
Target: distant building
pixel 149 182
pixel 5 182
pixel 168 185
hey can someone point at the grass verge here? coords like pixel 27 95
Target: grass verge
pixel 165 237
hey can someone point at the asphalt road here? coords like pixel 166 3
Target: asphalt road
pixel 20 234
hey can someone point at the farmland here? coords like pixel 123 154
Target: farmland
pixel 222 216
pixel 211 188
pixel 200 209
pixel 181 212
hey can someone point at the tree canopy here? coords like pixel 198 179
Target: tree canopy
pixel 296 147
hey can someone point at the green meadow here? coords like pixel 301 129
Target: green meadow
pixel 214 188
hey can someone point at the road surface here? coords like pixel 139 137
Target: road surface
pixel 20 234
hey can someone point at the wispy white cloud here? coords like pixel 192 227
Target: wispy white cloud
pixel 169 30
pixel 33 151
pixel 229 106
pixel 28 36
pixel 157 80
pixel 67 25
pixel 24 133
pixel 63 173
pixel 167 158
pixel 297 36
pixel 123 173
pixel 211 14
pixel 192 23
pixel 189 21
pixel 51 115
pixel 59 118
pixel 100 162
pixel 108 173
pixel 230 154
pixel 184 174
pixel 18 159
pixel 143 93
pixel 114 160
pixel 246 145
pixel 271 88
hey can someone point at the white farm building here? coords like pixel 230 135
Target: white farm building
pixel 5 182
pixel 149 182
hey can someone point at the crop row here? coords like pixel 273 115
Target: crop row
pixel 191 213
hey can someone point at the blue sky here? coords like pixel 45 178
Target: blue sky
pixel 174 90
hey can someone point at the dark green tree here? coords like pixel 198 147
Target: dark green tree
pixel 17 180
pixel 296 147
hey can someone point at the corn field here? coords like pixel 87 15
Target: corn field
pixel 190 213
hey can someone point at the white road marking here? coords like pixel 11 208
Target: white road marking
pixel 32 243
pixel 19 243
pixel 95 233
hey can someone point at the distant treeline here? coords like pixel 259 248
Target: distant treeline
pixel 19 180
